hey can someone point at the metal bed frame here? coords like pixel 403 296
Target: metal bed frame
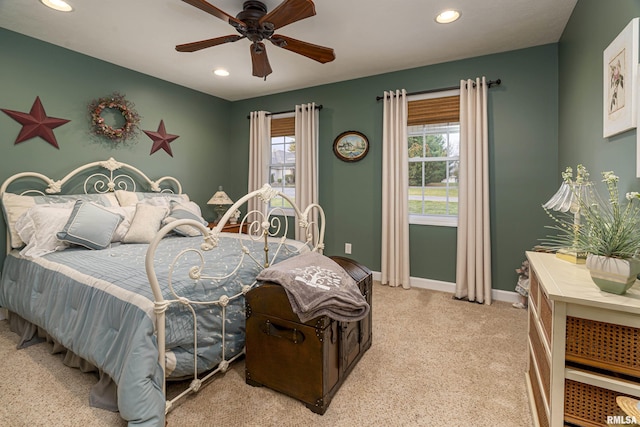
pixel 263 225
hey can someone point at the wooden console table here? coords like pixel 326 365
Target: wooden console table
pixel 583 345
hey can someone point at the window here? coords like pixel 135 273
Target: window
pixel 282 162
pixel 433 131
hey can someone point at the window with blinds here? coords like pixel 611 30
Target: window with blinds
pixel 434 110
pixel 433 130
pixel 282 163
pixel 284 126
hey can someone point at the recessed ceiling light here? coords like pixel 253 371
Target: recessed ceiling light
pixel 447 16
pixel 221 72
pixel 59 5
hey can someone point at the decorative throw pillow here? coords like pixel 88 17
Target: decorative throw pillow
pixel 90 225
pixel 38 228
pixel 14 205
pixel 127 212
pixel 126 198
pixel 132 198
pixel 185 210
pixel 145 224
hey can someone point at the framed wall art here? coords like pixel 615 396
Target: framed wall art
pixel 620 72
pixel 351 146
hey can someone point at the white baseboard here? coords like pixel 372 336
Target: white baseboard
pixel 3 313
pixel 437 285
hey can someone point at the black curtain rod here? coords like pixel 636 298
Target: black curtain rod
pixel 318 107
pixel 489 84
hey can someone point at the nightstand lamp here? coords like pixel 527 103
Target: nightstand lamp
pixel 220 202
pixel 569 197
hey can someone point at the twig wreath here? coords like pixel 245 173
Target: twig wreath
pixel 116 101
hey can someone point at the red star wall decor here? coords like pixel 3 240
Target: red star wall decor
pixel 161 139
pixel 36 123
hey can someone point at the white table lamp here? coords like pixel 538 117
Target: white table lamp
pixel 220 202
pixel 569 198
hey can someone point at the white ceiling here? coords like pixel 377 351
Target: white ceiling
pixel 369 37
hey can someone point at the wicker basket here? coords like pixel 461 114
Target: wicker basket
pixel 603 345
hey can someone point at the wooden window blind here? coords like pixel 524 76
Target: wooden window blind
pixel 434 110
pixel 285 126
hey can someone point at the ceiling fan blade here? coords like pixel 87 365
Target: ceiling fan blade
pixel 318 53
pixel 203 44
pixel 211 9
pixel 259 60
pixel 287 12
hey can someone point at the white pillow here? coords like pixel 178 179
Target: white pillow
pixel 132 198
pixel 127 212
pixel 145 224
pixel 126 198
pixel 186 210
pixel 14 206
pixel 38 228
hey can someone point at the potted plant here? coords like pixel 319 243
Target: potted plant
pixel 609 232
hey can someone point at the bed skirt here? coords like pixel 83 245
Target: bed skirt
pixel 103 394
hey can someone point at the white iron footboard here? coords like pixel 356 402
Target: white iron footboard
pixel 260 226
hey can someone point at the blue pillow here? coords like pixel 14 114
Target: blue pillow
pixel 187 210
pixel 90 225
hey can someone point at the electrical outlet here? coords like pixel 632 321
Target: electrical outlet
pixel 347 248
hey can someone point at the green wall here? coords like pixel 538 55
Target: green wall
pixel 593 26
pixel 523 115
pixel 67 82
pixel 212 148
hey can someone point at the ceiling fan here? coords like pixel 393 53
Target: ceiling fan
pixel 256 25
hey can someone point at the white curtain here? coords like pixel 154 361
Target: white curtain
pixel 473 264
pixel 259 152
pixel 395 188
pixel 306 133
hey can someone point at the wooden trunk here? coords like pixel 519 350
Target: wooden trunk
pixel 307 361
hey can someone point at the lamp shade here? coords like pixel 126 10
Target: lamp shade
pixel 570 195
pixel 220 198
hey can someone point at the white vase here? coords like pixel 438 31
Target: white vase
pixel 613 275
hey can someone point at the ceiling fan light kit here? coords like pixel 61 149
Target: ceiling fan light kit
pixel 255 24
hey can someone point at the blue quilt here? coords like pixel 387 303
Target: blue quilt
pixel 98 304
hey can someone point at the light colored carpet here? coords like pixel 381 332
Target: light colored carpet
pixel 434 362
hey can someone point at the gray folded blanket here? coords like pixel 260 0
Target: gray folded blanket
pixel 317 286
